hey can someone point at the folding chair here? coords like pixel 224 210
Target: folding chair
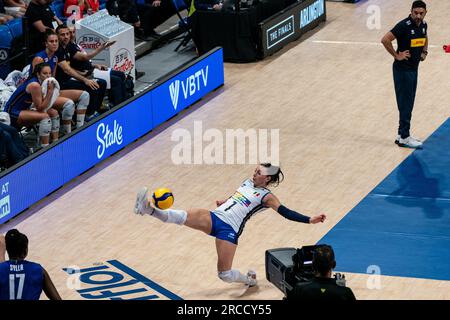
pixel 183 23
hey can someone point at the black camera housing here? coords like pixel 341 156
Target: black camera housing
pixel 285 267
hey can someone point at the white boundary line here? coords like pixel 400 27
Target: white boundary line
pixel 357 43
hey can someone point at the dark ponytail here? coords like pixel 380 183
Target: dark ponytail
pixel 16 244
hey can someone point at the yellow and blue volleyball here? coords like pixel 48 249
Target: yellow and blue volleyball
pixel 163 198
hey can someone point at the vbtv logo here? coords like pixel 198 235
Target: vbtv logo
pixel 174 89
pixel 189 87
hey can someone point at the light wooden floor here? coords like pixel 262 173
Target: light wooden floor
pixel 330 94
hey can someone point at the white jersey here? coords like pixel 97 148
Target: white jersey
pixel 245 202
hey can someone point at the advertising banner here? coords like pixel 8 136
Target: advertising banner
pixel 287 26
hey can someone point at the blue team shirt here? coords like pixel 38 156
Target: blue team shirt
pixel 20 99
pixel 21 280
pixel 51 61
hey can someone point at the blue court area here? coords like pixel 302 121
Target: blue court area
pixel 403 225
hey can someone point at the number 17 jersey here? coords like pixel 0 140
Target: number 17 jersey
pixel 21 280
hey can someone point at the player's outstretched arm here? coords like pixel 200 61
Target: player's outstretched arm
pixel 272 201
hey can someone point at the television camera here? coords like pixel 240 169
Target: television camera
pixel 285 267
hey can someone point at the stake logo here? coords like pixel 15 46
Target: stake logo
pixel 108 138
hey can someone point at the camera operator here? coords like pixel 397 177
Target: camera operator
pixel 322 286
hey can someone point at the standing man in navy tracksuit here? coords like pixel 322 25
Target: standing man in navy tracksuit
pixel 21 279
pixel 412 40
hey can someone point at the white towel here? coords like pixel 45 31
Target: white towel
pixel 55 91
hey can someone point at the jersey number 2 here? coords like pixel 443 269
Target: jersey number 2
pixel 12 286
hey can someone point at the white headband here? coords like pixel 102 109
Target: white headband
pixel 269 171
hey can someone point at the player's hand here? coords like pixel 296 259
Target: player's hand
pixel 92 84
pixel 156 3
pixel 317 219
pixel 50 86
pixel 108 44
pixel 219 202
pixel 218 6
pixel 403 55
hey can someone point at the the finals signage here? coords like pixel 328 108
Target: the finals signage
pixel 289 24
pixel 279 32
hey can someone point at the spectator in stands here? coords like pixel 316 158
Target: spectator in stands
pixel 80 60
pixel 4 18
pixel 64 74
pixel 16 3
pixel 127 11
pixel 30 92
pixel 16 8
pixel 79 95
pixel 216 5
pixel 152 13
pixel 80 7
pixel 40 18
pixel 12 147
pixel 29 278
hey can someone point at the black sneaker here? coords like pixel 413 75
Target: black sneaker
pixel 139 34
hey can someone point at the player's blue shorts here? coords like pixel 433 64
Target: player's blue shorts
pixel 222 230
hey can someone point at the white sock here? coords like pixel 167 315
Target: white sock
pixel 233 275
pixel 67 128
pixel 169 216
pixel 80 119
